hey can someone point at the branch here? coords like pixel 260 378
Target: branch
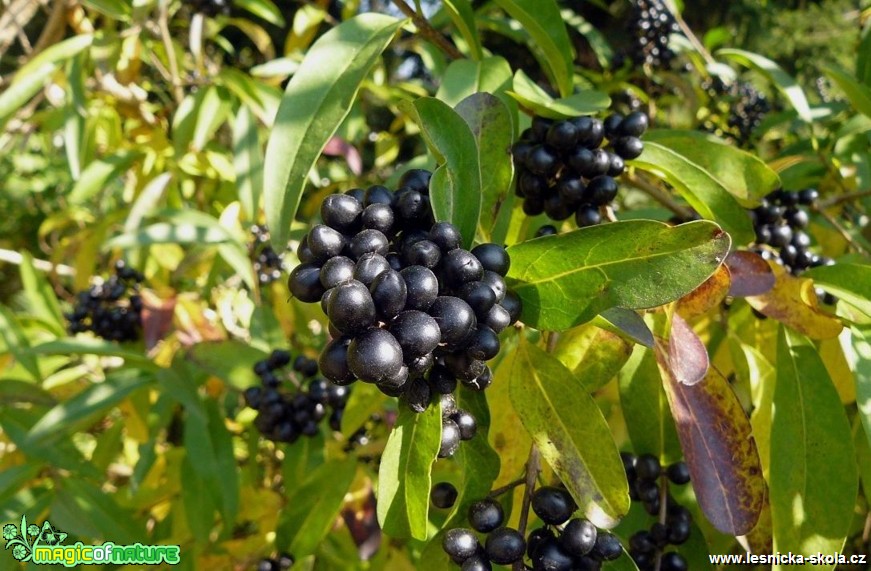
pixel 533 467
pixel 658 195
pixel 842 231
pixel 687 31
pixel 427 31
pixel 54 28
pixel 842 198
pixel 12 257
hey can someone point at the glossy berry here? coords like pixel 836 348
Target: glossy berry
pixel 369 267
pixel 450 438
pixel 512 304
pixel 351 308
pixel 374 356
pixel 325 242
pixel 587 215
pixel 601 190
pixel 378 217
pixel 460 266
pixel 476 563
pixel 673 561
pixel 336 270
pixel 505 546
pixel 550 556
pixel 378 194
pixel 607 547
pixel 423 253
pixel 634 124
pixel 305 284
pixel 578 537
pixel 678 473
pixel 647 467
pixel 368 241
pixel 333 361
pixel 460 543
pixel 486 515
pixel 480 297
pixel 341 212
pixel 446 236
pixel 417 333
pixel 546 230
pixel 422 287
pixel 441 380
pixel 562 135
pixel 443 495
pixel 493 258
pixel 466 423
pixel 628 147
pixel 484 344
pixel 553 505
pixel 455 319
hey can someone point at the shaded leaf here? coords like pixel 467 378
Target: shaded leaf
pixel 625 323
pixel 264 9
pixel 570 432
pixel 535 99
pixel 857 93
pixel 707 194
pixel 463 16
pixel 792 301
pixel 743 175
pixel 717 441
pixel 565 280
pixel 317 99
pixel 750 273
pixel 404 475
pixel 813 474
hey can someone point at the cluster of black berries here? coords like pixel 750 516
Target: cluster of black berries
pixel 562 544
pixel 644 473
pixel 280 563
pixel 562 171
pixel 650 25
pixel 780 223
pixel 112 309
pixel 409 309
pixel 747 107
pixel 284 416
pixel 267 262
pixel 457 425
pixel 211 8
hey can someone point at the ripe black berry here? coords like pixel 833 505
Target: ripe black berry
pixel 375 356
pixel 305 284
pixel 493 258
pixel 324 242
pixel 673 561
pixel 460 543
pixel 578 537
pixel 351 308
pixel 607 547
pixel 455 319
pixel 634 124
pixel 450 438
pixel 443 495
pixel 476 563
pixel 480 297
pixel 628 147
pixel 484 344
pixel 486 515
pixel 336 270
pixel 647 467
pixel 446 236
pixel 378 194
pixel 341 212
pixel 422 286
pixel 553 505
pixel 389 293
pixel 505 546
pixel 601 190
pixel 550 556
pixel 369 267
pixel 378 217
pixel 460 266
pixel 417 333
pixel 367 241
pixel 466 423
pixel 679 473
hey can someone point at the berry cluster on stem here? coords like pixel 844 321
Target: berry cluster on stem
pixel 111 309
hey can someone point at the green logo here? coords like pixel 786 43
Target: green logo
pixel 44 546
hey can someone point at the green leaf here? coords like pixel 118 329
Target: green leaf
pixel 32 76
pixel 857 93
pixel 463 16
pixel 625 323
pixel 74 119
pixel 534 98
pixel 211 110
pixel 455 188
pixel 72 414
pixel 490 122
pixel 16 343
pixel 226 471
pixel 706 193
pixel 743 175
pixel 41 299
pixel 199 504
pixel 715 434
pixel 97 512
pixel 860 363
pixel 565 280
pixel 863 58
pixel 850 282
pixel 90 346
pixel 99 174
pixel 593 355
pixel 316 101
pixel 117 9
pixel 248 162
pixel 404 475
pixel 643 400
pixel 570 432
pixel 464 77
pixel 813 472
pixel 366 399
pixel 264 9
pixel 231 361
pixel 782 80
pixel 314 506
pixel 542 20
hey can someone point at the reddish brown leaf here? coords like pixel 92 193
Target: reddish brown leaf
pixel 751 275
pixel 707 296
pixel 718 446
pixel 156 318
pixel 337 147
pixel 684 354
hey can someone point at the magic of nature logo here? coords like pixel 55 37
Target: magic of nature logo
pixel 43 545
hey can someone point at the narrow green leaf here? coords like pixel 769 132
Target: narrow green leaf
pixel 863 58
pixel 570 432
pixel 366 399
pixel 95 400
pixel 565 280
pixel 314 506
pixel 850 282
pixel 199 504
pixel 464 77
pixel 147 201
pixel 226 471
pixel 74 120
pixel 707 194
pixel 316 101
pixel 16 343
pixel 117 9
pixel 248 162
pixel 89 346
pixel 264 9
pixel 32 76
pixel 41 299
pixel 211 111
pixel 860 363
pixel 625 323
pixel 542 19
pixel 744 175
pixel 455 188
pixel 99 174
pixel 463 17
pixel 857 93
pixel 782 80
pixel 813 473
pixel 534 98
pixel 404 476
pixel 82 507
pixel 644 402
pixel 490 122
pixel 231 361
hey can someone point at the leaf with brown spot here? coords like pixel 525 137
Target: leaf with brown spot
pixel 792 301
pixel 570 432
pixel 592 354
pixel 751 275
pixel 707 296
pixel 718 446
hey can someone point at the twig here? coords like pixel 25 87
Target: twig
pixel 658 195
pixel 842 198
pixel 15 258
pixel 54 28
pixel 663 514
pixel 608 213
pixel 533 466
pixel 427 31
pixel 841 230
pixel 163 22
pixel 706 55
pixel 507 487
